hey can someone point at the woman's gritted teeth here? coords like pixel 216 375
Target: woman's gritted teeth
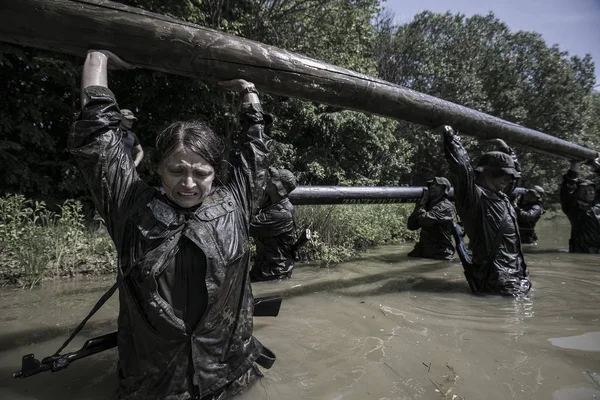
pixel 186 178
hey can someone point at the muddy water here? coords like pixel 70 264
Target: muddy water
pixel 383 327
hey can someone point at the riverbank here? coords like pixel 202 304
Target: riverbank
pixel 38 244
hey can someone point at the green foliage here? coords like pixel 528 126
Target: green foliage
pixel 38 91
pixel 187 10
pixel 323 144
pixel 341 147
pixel 476 61
pixel 336 31
pixel 342 232
pixel 25 249
pixel 479 63
pixel 42 91
pixel 36 243
pixel 590 134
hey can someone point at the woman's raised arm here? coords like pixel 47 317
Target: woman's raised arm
pixel 95 69
pixel 96 143
pixel 249 177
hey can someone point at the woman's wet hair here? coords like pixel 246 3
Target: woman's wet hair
pixel 196 136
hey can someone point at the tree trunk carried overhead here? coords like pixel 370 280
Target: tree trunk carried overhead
pixel 161 43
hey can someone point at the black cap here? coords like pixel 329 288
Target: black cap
pixel 440 180
pixel 497 160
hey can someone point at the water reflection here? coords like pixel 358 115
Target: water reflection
pixel 589 341
pixel 383 327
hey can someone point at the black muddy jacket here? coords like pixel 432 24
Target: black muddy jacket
pixel 584 217
pixel 158 357
pixel 273 230
pixel 528 216
pixel 490 221
pixel 436 224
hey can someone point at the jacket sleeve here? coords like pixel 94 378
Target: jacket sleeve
pixel 413 219
pixel 249 176
pixel 568 192
pixel 96 143
pixel 461 172
pixel 440 213
pixel 530 215
pixel 271 222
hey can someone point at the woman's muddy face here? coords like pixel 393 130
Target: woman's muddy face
pixel 186 178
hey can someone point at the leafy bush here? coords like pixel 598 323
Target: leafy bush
pixel 36 243
pixel 341 232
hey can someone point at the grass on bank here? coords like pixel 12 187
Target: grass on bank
pixel 37 243
pixel 341 232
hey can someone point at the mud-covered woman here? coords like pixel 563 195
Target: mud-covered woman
pixel 186 306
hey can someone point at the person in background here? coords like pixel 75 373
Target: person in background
pixel 580 201
pixel 273 229
pixel 434 214
pixel 529 211
pixel 130 139
pixel 497 264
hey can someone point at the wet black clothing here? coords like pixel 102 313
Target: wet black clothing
pixel 130 140
pixel 186 273
pixel 490 221
pixel 185 317
pixel 273 230
pixel 584 217
pixel 527 217
pixel 436 224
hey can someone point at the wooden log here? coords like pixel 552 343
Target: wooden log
pixel 161 43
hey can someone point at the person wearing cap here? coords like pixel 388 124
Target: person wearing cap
pixel 497 264
pixel 130 140
pixel 529 211
pixel 434 215
pixel 273 229
pixel 580 202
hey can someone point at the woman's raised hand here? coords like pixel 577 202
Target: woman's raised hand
pixel 443 129
pixel 237 85
pixel 114 61
pixel 595 164
pixel 499 143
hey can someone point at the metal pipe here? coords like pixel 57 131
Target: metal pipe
pixel 165 44
pixel 304 195
pixel 321 195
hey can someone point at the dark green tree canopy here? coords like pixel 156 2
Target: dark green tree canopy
pixel 477 62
